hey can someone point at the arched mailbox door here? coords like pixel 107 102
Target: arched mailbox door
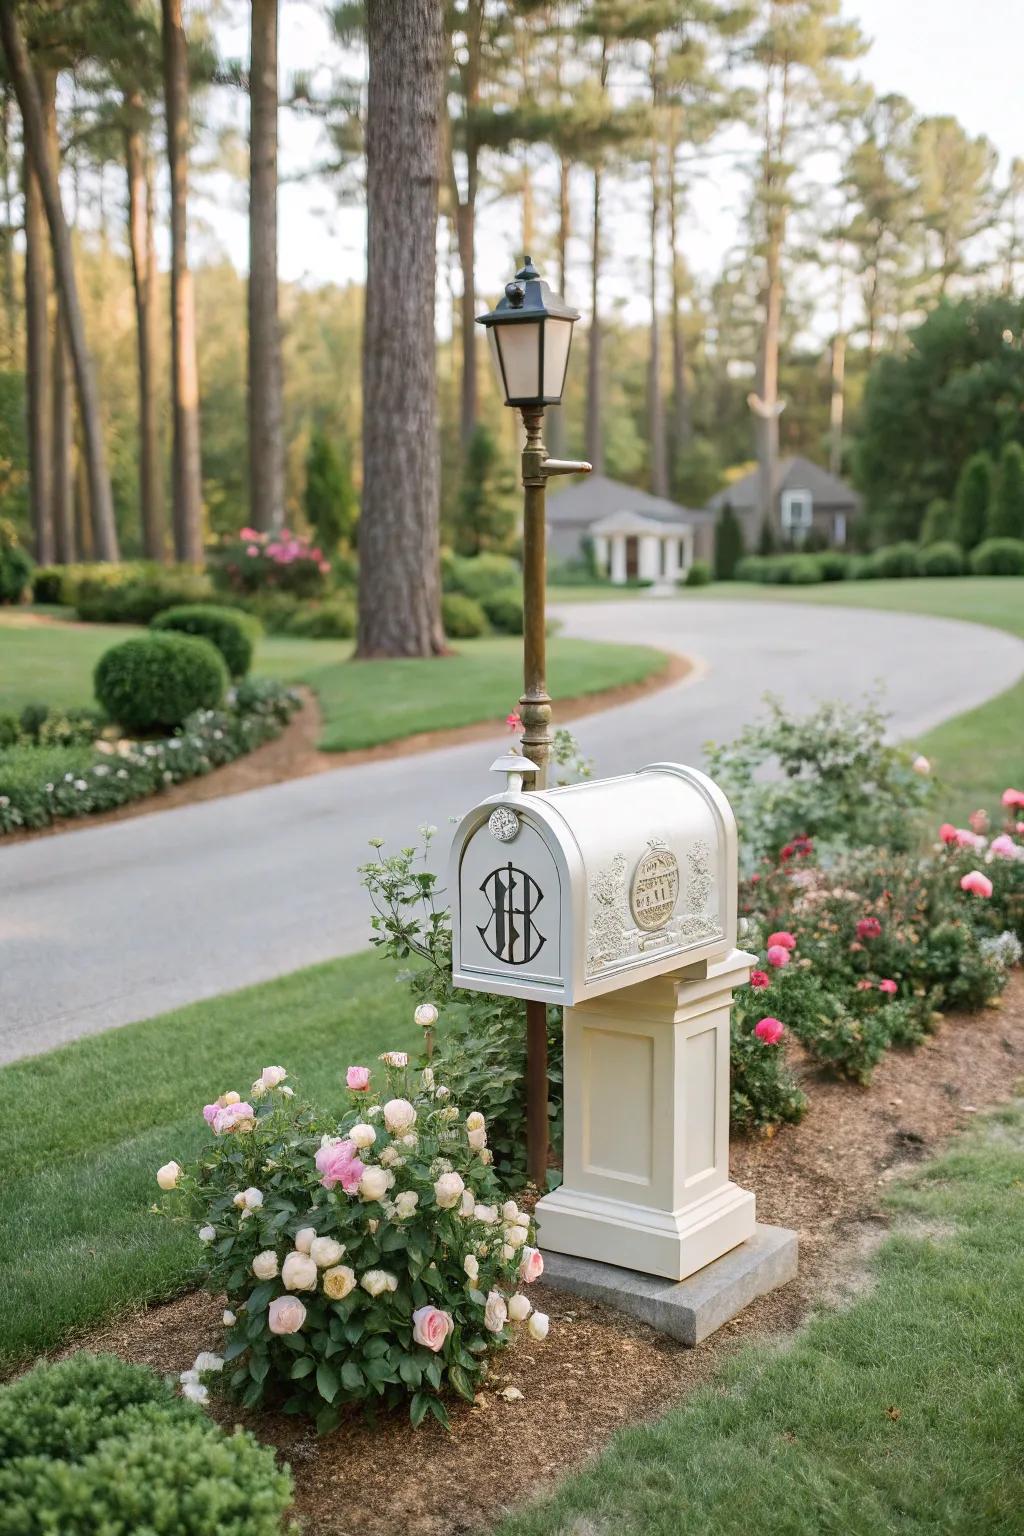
pixel 566 894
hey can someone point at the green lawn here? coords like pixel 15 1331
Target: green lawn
pixel 363 703
pixel 85 1127
pixel 899 1415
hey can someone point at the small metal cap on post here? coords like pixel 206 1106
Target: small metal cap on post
pixel 517 767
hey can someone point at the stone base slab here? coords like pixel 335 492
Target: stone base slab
pixel 691 1309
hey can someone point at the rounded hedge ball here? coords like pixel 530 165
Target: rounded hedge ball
pixel 152 683
pixel 229 630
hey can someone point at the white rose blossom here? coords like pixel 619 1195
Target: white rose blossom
pixel 495 1312
pixel 229 1319
pixel 519 1307
pixel 324 1252
pixel 273 1077
pixel 475 1121
pixel 448 1190
pixel 426 1015
pixel 472 1266
pixel 477 1140
pixel 167 1177
pixel 399 1116
pixel 304 1238
pixel 406 1203
pixel 207 1234
pixel 488 1214
pixel 264 1265
pixel 299 1272
pixel 395 1059
pixel 375 1183
pixel 486 1157
pixel 538 1326
pixel 362 1136
pixel 510 1212
pixel 195 1392
pixel 377 1281
pixel 468 1205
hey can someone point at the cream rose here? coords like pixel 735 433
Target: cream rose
pixel 324 1251
pixel 207 1234
pixel 399 1116
pixel 488 1214
pixel 362 1135
pixel 272 1077
pixel 264 1265
pixel 304 1238
pixel 339 1281
pixel 486 1157
pixel 448 1190
pixel 468 1205
pixel 538 1326
pixel 510 1212
pixel 472 1266
pixel 475 1121
pixel 477 1140
pixel 519 1307
pixel 406 1203
pixel 495 1312
pixel 229 1319
pixel 167 1177
pixel 517 1236
pixel 286 1314
pixel 377 1281
pixel 298 1272
pixel 426 1015
pixel 375 1183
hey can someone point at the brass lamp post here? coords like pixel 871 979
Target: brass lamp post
pixel 530 333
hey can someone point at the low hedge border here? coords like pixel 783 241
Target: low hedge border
pixel 905 561
pixel 41 785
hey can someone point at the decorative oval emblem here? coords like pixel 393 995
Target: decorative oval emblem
pixel 503 823
pixel 655 889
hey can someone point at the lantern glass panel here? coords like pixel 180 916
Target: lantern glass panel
pixel 557 336
pixel 520 352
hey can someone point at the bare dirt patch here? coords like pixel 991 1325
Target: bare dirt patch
pixel 295 755
pixel 598 1370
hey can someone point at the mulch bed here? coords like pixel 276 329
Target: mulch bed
pixel 295 755
pixel 598 1370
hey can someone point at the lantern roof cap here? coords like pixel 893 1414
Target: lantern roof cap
pixel 528 297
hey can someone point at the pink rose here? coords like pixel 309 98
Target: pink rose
pixel 778 955
pixel 869 928
pixel 965 839
pixel 759 980
pixel 1012 797
pixel 531 1265
pixel 234 1117
pixel 865 986
pixel 770 1031
pixel 977 883
pixel 337 1163
pixel 1004 847
pixel 978 821
pixel 286 1315
pixel 948 833
pixel 888 986
pixel 210 1112
pixel 358 1079
pixel 431 1327
pixel 782 940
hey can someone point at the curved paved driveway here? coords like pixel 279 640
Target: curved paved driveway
pixel 108 924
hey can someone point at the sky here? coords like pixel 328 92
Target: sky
pixel 945 56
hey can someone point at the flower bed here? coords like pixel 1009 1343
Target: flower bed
pixel 367 1254
pixel 42 781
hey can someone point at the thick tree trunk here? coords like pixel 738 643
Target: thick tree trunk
pixel 399 577
pixel 38 375
pixel 140 239
pixel 10 302
pixel 266 442
pixel 655 415
pixel 836 403
pixel 61 482
pixel 88 395
pixel 593 435
pixel 187 474
pixel 682 416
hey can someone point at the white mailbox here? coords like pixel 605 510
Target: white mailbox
pixel 566 894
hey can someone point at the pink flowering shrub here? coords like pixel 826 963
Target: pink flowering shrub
pixel 252 562
pixel 367 1252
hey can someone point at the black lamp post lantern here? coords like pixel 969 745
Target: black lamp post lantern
pixel 530 332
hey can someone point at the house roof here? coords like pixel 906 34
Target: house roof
pixel 595 497
pixel 794 474
pixel 633 522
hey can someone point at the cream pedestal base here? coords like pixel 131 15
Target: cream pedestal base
pixel 647 1127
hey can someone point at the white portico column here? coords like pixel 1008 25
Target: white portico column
pixel 601 553
pixel 618 557
pixel 670 556
pixel 647 1127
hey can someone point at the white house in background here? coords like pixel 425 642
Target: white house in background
pixel 635 536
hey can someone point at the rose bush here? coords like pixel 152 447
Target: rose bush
pixel 366 1254
pixel 254 562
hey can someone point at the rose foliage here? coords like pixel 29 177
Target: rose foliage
pixel 366 1252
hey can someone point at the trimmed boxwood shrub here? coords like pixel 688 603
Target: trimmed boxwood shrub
pixel 895 560
pixel 153 682
pixel 750 568
pixel 479 576
pixel 15 564
pixel 333 620
pixel 942 559
pixel 94 1445
pixel 998 557
pixel 134 593
pixel 505 612
pixel 230 631
pixel 699 574
pixel 833 565
pixel 463 617
pixel 48 584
